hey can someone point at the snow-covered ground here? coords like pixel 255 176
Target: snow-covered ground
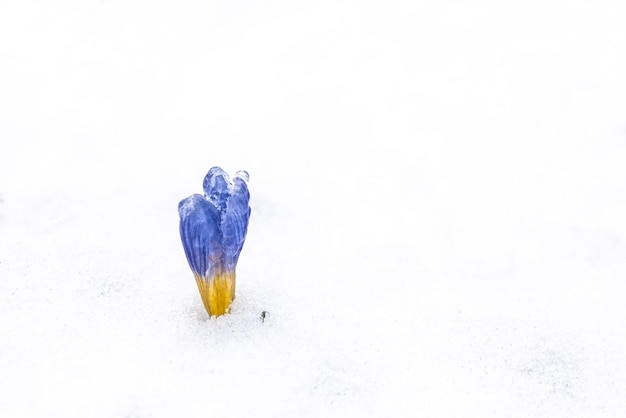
pixel 438 194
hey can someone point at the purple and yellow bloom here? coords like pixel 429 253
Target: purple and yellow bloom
pixel 213 229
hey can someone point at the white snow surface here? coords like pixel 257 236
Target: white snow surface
pixel 438 194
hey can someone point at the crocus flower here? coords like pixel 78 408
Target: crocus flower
pixel 213 229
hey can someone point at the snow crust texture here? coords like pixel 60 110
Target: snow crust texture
pixel 437 221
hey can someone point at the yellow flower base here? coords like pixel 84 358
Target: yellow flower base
pixel 217 292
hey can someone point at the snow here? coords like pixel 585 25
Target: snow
pixel 438 193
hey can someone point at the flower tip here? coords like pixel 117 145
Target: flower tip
pixel 242 174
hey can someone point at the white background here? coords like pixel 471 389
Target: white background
pixel 438 194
